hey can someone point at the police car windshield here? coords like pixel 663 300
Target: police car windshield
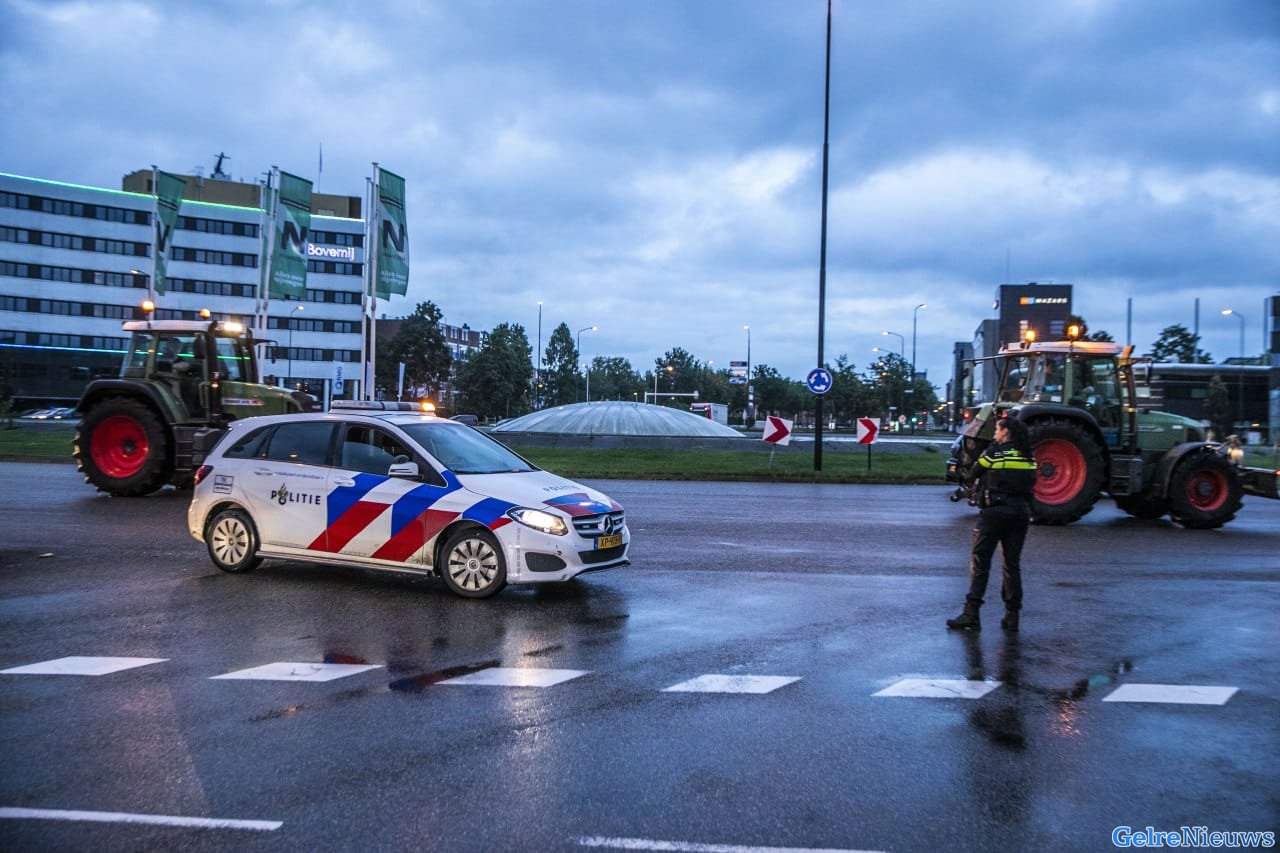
pixel 464 451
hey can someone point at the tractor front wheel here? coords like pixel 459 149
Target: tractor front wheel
pixel 1070 469
pixel 1205 492
pixel 122 447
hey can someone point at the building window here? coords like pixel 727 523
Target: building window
pixel 61 207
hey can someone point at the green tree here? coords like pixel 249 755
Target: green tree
pixel 560 369
pixel 849 397
pixel 773 392
pixel 495 381
pixel 613 378
pixel 890 377
pixel 1217 408
pixel 1177 344
pixel 678 372
pixel 420 345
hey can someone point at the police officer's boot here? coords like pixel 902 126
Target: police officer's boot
pixel 1010 621
pixel 967 620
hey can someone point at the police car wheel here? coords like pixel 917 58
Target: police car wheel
pixel 232 541
pixel 472 564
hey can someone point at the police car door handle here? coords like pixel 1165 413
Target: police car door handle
pixel 344 482
pixel 263 472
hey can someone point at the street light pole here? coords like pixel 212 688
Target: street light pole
pixel 746 410
pixel 914 314
pixel 902 354
pixel 578 346
pixel 1240 374
pixel 537 375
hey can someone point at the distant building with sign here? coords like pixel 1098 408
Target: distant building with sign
pixel 75 262
pixel 1018 308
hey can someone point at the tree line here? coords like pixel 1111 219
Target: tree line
pixel 499 379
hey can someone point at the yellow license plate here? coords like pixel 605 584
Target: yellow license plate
pixel 608 541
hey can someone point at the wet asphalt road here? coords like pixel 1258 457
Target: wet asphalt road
pixel 843 587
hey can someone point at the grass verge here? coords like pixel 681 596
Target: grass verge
pixel 792 466
pixel 36 444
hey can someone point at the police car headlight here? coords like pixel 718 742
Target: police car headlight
pixel 539 520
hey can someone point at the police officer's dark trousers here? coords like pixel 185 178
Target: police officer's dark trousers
pixel 1005 526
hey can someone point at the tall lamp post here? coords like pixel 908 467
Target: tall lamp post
pixel 289 322
pixel 1240 375
pixel 914 314
pixel 537 374
pixel 578 346
pixel 902 354
pixel 746 410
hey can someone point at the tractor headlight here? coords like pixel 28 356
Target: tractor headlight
pixel 539 520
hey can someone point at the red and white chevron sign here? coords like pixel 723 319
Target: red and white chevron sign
pixel 868 429
pixel 777 431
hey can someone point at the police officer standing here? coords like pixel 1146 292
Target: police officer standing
pixel 1004 477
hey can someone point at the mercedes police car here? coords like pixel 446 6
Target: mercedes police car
pixel 402 491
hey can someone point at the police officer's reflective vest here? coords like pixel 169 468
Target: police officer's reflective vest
pixel 1005 477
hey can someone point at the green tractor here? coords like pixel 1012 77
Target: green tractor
pixel 181 382
pixel 1092 432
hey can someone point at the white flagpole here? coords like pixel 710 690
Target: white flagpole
pixel 372 371
pixel 270 211
pixel 155 245
pixel 364 287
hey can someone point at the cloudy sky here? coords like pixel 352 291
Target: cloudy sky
pixel 653 167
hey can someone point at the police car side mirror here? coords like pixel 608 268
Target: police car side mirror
pixel 406 470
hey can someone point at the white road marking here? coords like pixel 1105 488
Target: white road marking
pixel 733 684
pixel 1174 694
pixel 81 666
pixel 939 688
pixel 694 847
pixel 298 671
pixel 503 676
pixel 153 819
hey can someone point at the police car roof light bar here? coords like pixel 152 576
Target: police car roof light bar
pixel 375 405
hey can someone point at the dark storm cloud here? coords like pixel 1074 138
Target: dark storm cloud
pixel 654 168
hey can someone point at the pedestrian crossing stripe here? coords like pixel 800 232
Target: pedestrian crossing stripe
pixel 733 684
pixel 939 688
pixel 1172 694
pixel 81 666
pixel 504 676
pixel 297 672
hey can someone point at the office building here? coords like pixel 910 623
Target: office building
pixel 75 262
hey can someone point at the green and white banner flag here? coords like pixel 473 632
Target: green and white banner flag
pixel 169 190
pixel 393 242
pixel 288 276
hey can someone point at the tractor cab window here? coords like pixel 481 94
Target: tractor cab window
pixel 135 363
pixel 233 360
pixel 1046 379
pixel 1095 388
pixel 1014 381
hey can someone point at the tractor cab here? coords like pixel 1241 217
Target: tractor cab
pixel 1083 375
pixel 191 358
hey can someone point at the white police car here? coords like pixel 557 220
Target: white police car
pixel 399 491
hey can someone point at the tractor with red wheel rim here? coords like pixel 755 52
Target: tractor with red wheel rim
pixel 179 385
pixel 1092 431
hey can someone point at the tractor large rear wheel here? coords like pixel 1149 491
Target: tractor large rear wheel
pixel 122 447
pixel 1204 492
pixel 1070 469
